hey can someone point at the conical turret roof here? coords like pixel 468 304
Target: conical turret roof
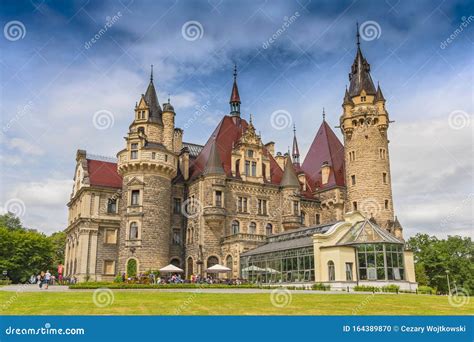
pixel 151 100
pixel 214 163
pixel 379 95
pixel 289 179
pixel 359 77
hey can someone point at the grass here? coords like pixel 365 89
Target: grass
pixel 136 302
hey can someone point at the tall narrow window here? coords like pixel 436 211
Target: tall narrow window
pixel 302 218
pixel 135 200
pixel 296 210
pixel 176 237
pixel 218 198
pixel 254 169
pixel 262 207
pixel 252 228
pixel 331 271
pixel 264 171
pixel 247 168
pixel 386 204
pixel 133 234
pixel 250 153
pixel 353 179
pixel 134 151
pixel 237 167
pixel 354 205
pixel 349 271
pixel 244 204
pixel 177 206
pixel 235 227
pixel 384 177
pixel 318 219
pixel 269 229
pixel 112 206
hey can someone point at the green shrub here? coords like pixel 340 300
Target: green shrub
pixel 118 279
pixel 391 288
pixel 5 282
pixel 365 288
pixel 321 287
pixel 426 290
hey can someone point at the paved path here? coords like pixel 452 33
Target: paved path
pixel 57 288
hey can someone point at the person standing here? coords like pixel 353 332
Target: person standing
pixel 40 279
pixel 47 279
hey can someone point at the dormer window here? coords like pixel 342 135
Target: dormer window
pixel 250 153
pixel 362 99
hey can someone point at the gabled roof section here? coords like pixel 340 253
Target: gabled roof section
pixel 326 147
pixel 103 173
pixel 367 232
pixel 226 135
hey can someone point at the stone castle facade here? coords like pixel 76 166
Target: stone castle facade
pixel 166 201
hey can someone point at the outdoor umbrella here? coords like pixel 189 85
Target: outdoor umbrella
pixel 218 269
pixel 171 269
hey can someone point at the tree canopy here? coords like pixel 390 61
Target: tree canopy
pixel 433 257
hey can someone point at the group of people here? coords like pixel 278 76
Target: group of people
pixel 43 279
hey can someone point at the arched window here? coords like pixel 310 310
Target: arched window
pixel 252 228
pixel 331 271
pixel 235 227
pixel 132 267
pixel 133 235
pixel 211 261
pixel 175 262
pixel 269 229
pixel 228 261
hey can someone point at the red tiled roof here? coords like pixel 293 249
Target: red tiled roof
pixel 227 133
pixel 326 147
pixel 103 173
pixel 235 97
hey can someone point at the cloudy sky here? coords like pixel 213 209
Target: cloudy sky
pixel 71 74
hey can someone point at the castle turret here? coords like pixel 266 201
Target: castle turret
pixel 290 188
pixel 364 124
pixel 235 97
pixel 147 164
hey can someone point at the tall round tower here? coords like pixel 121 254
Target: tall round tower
pixel 147 165
pixel 364 124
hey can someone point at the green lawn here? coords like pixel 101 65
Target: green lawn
pixel 167 303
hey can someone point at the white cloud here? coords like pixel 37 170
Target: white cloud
pixel 25 147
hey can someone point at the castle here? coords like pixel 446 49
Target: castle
pixel 267 216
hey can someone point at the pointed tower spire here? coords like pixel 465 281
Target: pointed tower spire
pixel 296 150
pixel 324 115
pixel 359 77
pixel 151 100
pixel 235 97
pixel 289 179
pixel 214 163
pixel 347 98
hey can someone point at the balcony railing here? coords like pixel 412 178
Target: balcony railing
pixel 244 237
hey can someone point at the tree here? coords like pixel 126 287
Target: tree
pixel 26 252
pixel 433 257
